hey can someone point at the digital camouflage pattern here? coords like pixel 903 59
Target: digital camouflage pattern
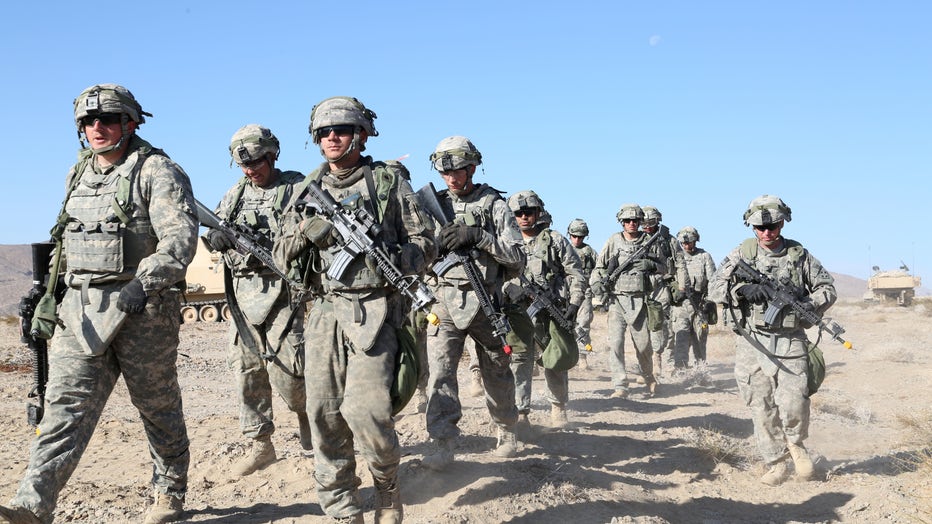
pixel 687 319
pixel 156 246
pixel 500 252
pixel 278 362
pixel 587 257
pixel 353 326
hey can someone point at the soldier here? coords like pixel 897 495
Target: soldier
pixel 770 359
pixel 691 313
pixel 128 229
pixel 255 204
pixel 626 298
pixel 577 231
pixel 553 264
pixel 482 225
pixel 355 321
pixel 662 285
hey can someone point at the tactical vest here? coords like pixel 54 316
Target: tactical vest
pixel 103 232
pixel 544 265
pixel 476 212
pixel 790 268
pixel 630 282
pixel 587 259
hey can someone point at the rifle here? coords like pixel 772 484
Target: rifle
pixel 641 252
pixel 41 255
pixel 783 293
pixel 359 231
pixel 427 197
pixel 248 243
pixel 541 300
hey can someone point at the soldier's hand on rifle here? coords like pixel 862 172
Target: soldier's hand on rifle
pixel 753 293
pixel 219 241
pixel 643 265
pixel 571 311
pixel 597 288
pixel 132 297
pixel 460 236
pixel 318 230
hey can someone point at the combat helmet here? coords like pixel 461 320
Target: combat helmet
pixel 688 234
pixel 525 200
pixel 252 142
pixel 652 217
pixel 341 110
pixel 102 99
pixel 578 228
pixel 455 152
pixel 766 209
pixel 629 211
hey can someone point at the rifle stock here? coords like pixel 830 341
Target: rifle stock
pixel 782 295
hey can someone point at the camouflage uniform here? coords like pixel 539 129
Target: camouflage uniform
pixel 587 257
pixel 770 362
pixel 662 284
pixel 154 246
pixel 627 303
pixel 460 315
pixel 353 326
pixel 552 263
pixel 688 317
pixel 264 299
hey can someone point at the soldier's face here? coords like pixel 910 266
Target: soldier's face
pixel 459 181
pixel 335 144
pixel 259 172
pixel 768 235
pixel 630 225
pixel 100 134
pixel 576 241
pixel 688 247
pixel 527 217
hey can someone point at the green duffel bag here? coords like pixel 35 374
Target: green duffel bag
pixel 407 368
pixel 815 372
pixel 562 352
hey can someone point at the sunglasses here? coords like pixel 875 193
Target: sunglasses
pixel 341 130
pixel 767 227
pixel 105 119
pixel 629 220
pixel 254 164
pixel 526 212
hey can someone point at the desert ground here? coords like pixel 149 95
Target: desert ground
pixel 686 455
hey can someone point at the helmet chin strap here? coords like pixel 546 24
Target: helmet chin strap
pixel 349 150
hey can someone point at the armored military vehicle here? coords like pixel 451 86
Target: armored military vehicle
pixel 204 299
pixel 897 285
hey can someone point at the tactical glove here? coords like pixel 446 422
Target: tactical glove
pixel 678 296
pixel 318 230
pixel 753 293
pixel 132 297
pixel 218 241
pixel 644 265
pixel 571 311
pixel 460 236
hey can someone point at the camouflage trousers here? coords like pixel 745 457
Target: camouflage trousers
pixel 778 400
pixel 348 403
pixel 689 330
pixel 522 365
pixel 144 352
pixel 626 311
pixel 583 322
pixel 281 367
pixel 444 351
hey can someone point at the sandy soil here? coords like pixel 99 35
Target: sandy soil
pixel 685 456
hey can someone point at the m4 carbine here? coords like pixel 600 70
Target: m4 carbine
pixel 541 299
pixel 41 255
pixel 427 196
pixel 359 232
pixel 782 294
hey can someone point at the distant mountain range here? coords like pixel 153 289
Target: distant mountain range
pixel 16 279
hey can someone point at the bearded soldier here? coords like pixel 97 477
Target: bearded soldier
pixel 255 204
pixel 770 357
pixel 127 232
pixel 480 224
pixel 354 321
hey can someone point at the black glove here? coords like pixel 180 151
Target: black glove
pixel 753 293
pixel 459 236
pixel 318 230
pixel 571 311
pixel 678 296
pixel 219 241
pixel 132 297
pixel 643 265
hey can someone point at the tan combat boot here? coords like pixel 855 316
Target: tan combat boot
pixel 619 393
pixel 165 508
pixel 17 515
pixel 507 443
pixel 475 387
pixel 523 428
pixel 558 416
pixel 261 456
pixel 441 456
pixel 776 474
pixel 804 468
pixel 388 508
pixel 304 430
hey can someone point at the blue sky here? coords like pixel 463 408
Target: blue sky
pixel 692 107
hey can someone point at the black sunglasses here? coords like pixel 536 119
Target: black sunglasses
pixel 767 227
pixel 341 130
pixel 628 220
pixel 526 211
pixel 105 119
pixel 254 164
